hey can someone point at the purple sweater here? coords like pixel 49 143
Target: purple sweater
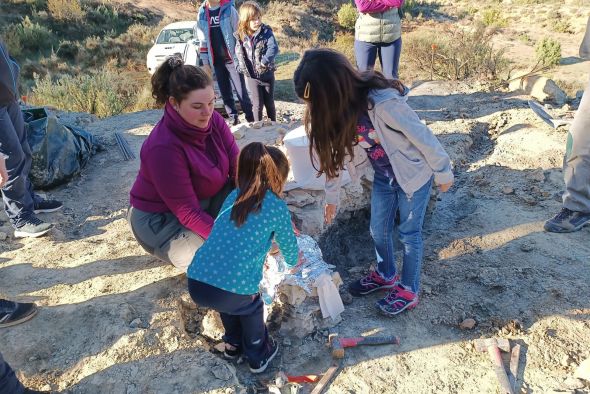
pixel 182 164
pixel 371 6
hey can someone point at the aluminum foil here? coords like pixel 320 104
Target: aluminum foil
pixel 277 271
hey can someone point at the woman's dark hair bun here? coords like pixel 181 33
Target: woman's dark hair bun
pixel 175 61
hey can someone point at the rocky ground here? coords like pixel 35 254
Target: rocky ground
pixel 116 320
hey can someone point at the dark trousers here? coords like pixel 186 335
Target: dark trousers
pixel 9 384
pixel 389 53
pixel 262 92
pixel 18 196
pixel 228 78
pixel 242 317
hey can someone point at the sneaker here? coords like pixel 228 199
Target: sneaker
pixel 34 228
pixel 567 221
pixel 47 206
pixel 233 353
pixel 12 313
pixel 370 283
pixel 397 300
pixel 272 348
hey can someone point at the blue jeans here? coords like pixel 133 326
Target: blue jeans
pixel 19 198
pixel 387 199
pixel 9 384
pixel 242 317
pixel 228 78
pixel 389 53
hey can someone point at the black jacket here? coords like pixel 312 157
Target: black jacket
pixel 255 58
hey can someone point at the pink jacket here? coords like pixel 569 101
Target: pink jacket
pixel 372 6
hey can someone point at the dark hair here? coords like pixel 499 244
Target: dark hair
pixel 335 94
pixel 260 168
pixel 175 79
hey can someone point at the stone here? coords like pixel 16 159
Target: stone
pixel 346 297
pixel 211 326
pixel 573 383
pixel 541 88
pixel 239 131
pixel 583 370
pixel 256 125
pixel 222 372
pixel 299 198
pixel 3 236
pixel 527 246
pixel 467 324
pixel 537 175
pixel 136 323
pixel 507 190
pixel 220 347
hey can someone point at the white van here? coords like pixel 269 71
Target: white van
pixel 177 37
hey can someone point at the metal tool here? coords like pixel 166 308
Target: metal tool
pixel 546 117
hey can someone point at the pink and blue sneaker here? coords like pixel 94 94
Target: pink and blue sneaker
pixel 370 283
pixel 397 300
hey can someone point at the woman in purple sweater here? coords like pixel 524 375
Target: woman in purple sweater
pixel 188 166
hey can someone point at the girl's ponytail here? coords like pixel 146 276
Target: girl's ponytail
pixel 260 168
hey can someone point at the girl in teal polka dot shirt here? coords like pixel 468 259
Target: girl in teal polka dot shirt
pixel 226 271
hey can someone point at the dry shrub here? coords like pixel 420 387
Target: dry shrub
pixel 493 17
pixel 347 16
pixel 344 43
pixel 27 37
pixel 456 54
pixel 548 52
pixel 65 10
pixel 103 93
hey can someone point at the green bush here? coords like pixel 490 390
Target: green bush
pixel 65 10
pixel 548 52
pixel 104 93
pixel 493 17
pixel 562 26
pixel 456 54
pixel 27 37
pixel 347 16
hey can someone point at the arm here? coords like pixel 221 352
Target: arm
pixel 272 50
pixel 173 183
pixel 407 122
pixel 235 19
pixel 283 233
pixel 200 32
pixel 372 6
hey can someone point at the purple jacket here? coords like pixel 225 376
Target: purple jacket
pixel 182 164
pixel 372 6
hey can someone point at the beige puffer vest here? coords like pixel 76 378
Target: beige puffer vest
pixel 380 27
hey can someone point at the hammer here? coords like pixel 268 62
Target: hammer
pixel 493 346
pixel 338 344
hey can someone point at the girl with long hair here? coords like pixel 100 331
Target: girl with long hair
pixel 256 49
pixel 350 111
pixel 225 273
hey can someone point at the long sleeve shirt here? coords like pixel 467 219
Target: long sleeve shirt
pixel 372 6
pixel 233 257
pixel 182 164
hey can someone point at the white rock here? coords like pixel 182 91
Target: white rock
pixel 583 370
pixel 541 88
pixel 3 236
pixel 299 198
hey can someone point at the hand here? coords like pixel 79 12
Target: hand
pixel 274 249
pixel 445 187
pixel 207 69
pixel 300 263
pixel 261 69
pixel 3 173
pixel 329 213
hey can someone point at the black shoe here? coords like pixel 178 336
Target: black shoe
pixel 271 350
pixel 47 206
pixel 232 354
pixel 567 221
pixel 33 228
pixel 12 313
pixel 235 120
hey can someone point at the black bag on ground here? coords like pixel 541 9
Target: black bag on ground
pixel 59 152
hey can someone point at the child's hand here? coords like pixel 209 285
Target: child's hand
pixel 274 249
pixel 3 172
pixel 445 187
pixel 329 213
pixel 300 263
